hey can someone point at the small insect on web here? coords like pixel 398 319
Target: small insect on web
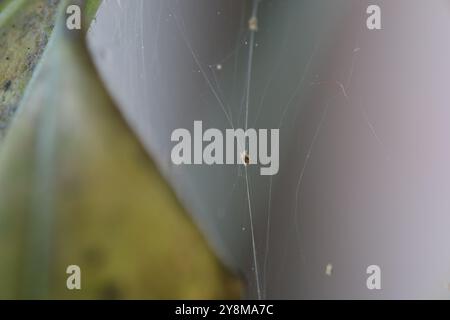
pixel 253 24
pixel 245 158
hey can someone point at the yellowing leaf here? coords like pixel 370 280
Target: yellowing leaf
pixel 77 188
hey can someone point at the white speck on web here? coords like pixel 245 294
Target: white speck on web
pixel 329 269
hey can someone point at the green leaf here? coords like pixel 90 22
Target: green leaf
pixel 25 27
pixel 77 188
pixel 24 30
pixel 91 9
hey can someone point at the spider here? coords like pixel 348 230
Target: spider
pixel 245 158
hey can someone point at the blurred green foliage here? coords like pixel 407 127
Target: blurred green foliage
pixel 77 188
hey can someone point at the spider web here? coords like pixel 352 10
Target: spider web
pixel 171 62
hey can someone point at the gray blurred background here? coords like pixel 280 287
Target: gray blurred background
pixel 364 120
